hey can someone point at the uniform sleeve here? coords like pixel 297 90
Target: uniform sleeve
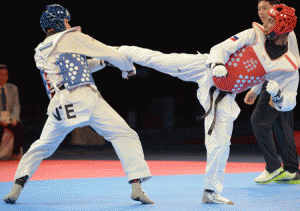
pixel 289 93
pixel 293 45
pixel 220 53
pixel 77 42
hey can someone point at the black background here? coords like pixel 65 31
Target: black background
pixel 166 26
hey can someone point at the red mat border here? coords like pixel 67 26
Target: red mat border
pixel 75 169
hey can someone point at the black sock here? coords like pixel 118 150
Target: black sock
pixel 21 181
pixel 208 190
pixel 134 181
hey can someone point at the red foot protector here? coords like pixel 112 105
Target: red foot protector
pixel 73 169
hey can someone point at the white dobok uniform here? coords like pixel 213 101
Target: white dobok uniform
pixel 195 68
pixel 62 61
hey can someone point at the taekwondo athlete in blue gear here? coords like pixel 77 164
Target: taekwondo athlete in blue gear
pixel 75 101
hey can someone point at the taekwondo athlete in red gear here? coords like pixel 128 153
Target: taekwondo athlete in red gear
pixel 244 51
pixel 75 101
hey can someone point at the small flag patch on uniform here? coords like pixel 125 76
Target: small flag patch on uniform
pixel 234 38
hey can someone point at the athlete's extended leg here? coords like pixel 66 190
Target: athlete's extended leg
pixel 187 67
pixel 53 134
pixel 126 143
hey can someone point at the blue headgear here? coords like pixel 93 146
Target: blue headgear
pixel 53 18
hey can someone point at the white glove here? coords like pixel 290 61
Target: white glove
pixel 219 70
pixel 272 88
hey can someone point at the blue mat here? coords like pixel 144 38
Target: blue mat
pixel 183 192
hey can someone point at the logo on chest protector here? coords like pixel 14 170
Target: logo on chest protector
pixel 244 72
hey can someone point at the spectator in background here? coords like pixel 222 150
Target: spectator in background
pixel 11 130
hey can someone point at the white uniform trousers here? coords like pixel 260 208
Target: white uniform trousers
pixel 191 67
pixel 102 118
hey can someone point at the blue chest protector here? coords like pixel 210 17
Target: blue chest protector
pixel 74 69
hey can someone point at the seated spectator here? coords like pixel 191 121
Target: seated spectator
pixel 11 129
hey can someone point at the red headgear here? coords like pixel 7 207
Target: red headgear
pixel 285 17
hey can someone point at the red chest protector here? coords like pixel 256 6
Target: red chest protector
pixel 244 71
